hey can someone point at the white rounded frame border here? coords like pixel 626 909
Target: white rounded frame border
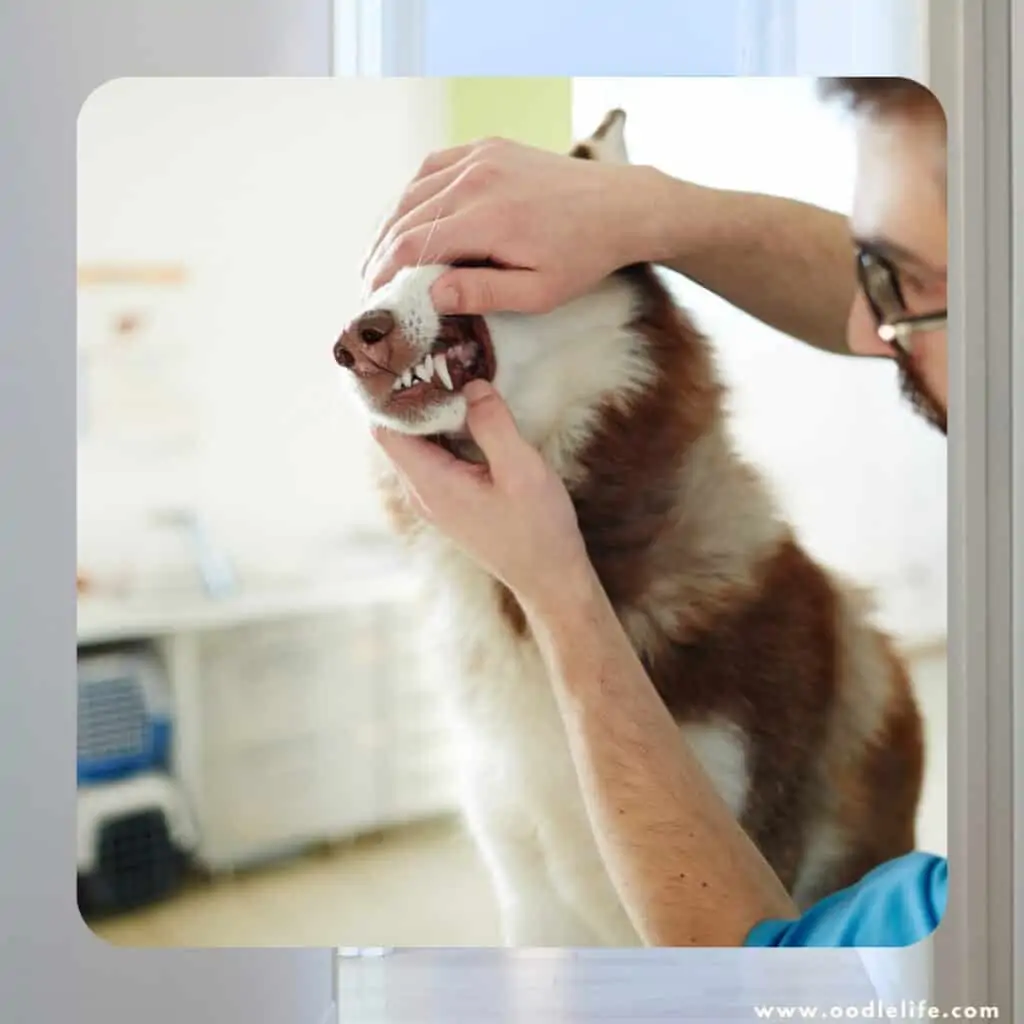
pixel 53 56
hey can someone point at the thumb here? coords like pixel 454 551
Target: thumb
pixel 493 427
pixel 467 291
pixel 432 472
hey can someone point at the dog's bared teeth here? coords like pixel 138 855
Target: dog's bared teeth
pixel 425 371
pixel 407 378
pixel 441 366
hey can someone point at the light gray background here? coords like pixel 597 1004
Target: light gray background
pixel 975 950
pixel 52 54
pixel 1017 144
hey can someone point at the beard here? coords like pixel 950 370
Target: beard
pixel 918 395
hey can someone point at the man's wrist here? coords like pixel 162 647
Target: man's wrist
pixel 569 603
pixel 659 212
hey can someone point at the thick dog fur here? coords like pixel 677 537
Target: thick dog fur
pixel 796 705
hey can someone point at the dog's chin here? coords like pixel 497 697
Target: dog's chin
pixel 440 419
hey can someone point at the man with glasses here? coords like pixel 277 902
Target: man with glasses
pixel 685 870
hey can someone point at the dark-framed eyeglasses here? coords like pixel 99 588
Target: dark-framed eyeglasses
pixel 881 286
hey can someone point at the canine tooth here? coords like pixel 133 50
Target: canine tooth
pixel 407 378
pixel 441 365
pixel 426 368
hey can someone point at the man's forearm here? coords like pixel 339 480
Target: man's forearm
pixel 685 870
pixel 788 264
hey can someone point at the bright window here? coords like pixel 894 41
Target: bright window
pixel 652 37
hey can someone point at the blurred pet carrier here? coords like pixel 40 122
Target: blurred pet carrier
pixel 135 832
pixel 124 714
pixel 135 836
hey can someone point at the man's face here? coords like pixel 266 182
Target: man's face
pixel 900 213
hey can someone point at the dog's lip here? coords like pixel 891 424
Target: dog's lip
pixel 413 392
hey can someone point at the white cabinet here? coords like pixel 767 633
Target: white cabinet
pixel 304 729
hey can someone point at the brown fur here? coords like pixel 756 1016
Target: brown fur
pixel 631 479
pixel 880 799
pixel 762 653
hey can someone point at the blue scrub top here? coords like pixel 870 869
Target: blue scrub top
pixel 898 904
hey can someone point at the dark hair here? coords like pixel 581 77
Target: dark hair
pixel 879 95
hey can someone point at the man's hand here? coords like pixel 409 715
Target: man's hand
pixel 513 515
pixel 555 225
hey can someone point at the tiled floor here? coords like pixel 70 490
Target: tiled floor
pixel 421 887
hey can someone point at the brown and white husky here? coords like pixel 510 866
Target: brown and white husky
pixel 795 704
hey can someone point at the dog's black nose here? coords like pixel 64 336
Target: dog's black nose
pixel 375 326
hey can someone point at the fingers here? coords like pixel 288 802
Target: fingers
pixel 433 473
pixel 444 240
pixel 492 426
pixel 479 290
pixel 448 186
pixel 436 174
pixel 446 157
pixel 408 238
pixel 438 477
pixel 420 192
pixel 411 454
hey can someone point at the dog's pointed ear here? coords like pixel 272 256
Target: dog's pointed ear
pixel 608 143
